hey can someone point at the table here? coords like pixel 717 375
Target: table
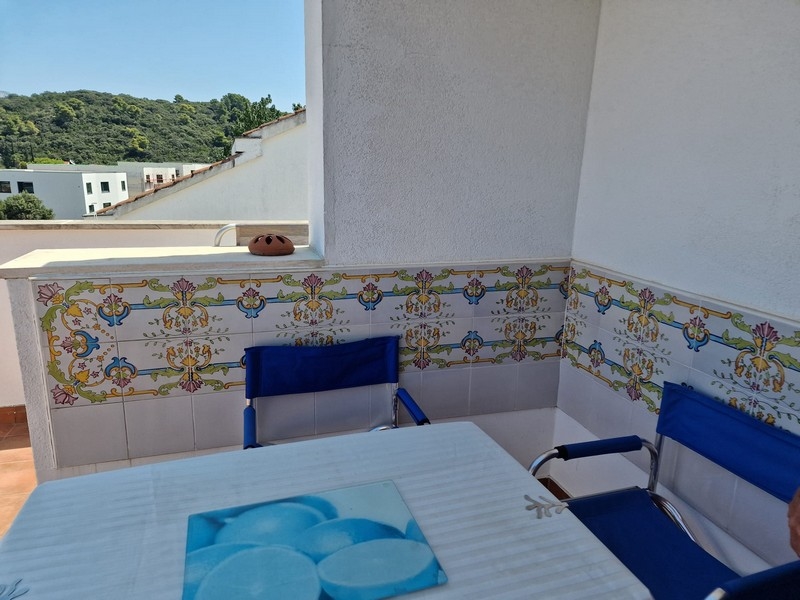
pixel 122 534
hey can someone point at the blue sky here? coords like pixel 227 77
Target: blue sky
pixel 200 49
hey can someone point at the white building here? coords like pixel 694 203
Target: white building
pixel 266 178
pixel 71 194
pixel 141 176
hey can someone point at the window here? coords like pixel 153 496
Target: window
pixel 104 187
pixel 106 204
pixel 5 187
pixel 25 186
pixel 91 208
pixel 159 178
pixel 88 187
pixel 122 185
pixel 147 178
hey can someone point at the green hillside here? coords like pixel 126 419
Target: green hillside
pixel 98 128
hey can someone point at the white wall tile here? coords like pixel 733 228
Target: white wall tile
pixel 86 435
pixel 492 388
pixel 537 384
pixel 445 392
pixel 159 426
pixel 218 420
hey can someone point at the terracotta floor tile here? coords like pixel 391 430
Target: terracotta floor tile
pixel 9 507
pixel 16 454
pixel 17 472
pixel 13 443
pixel 17 477
pixel 19 430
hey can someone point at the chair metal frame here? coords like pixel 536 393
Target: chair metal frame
pixel 276 370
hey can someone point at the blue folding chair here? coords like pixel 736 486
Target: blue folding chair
pixel 648 534
pixel 778 583
pixel 280 370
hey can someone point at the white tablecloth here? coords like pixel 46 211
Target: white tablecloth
pixel 122 534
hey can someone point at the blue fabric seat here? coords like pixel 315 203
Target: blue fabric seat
pixel 640 535
pixel 639 526
pixel 290 369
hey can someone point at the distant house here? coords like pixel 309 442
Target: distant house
pixel 71 194
pixel 141 176
pixel 265 178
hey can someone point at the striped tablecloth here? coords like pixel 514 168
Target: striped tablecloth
pixel 122 534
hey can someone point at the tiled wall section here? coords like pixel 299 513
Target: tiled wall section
pixel 632 336
pixel 624 337
pixel 140 367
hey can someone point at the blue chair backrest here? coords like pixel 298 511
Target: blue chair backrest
pixel 777 583
pixel 277 370
pixel 764 455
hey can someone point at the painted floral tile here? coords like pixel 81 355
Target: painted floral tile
pixel 76 313
pixel 516 289
pixel 517 338
pixel 428 294
pixel 592 293
pixel 754 363
pixel 180 306
pixel 320 300
pixel 83 376
pixel 615 331
pixel 182 366
pixel 651 334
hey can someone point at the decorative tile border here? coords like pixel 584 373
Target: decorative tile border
pixel 121 340
pixel 633 335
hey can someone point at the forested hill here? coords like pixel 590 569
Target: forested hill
pixel 98 128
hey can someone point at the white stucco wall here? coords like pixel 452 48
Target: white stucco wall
pixel 65 191
pixel 452 130
pixel 691 170
pixel 269 187
pixel 98 198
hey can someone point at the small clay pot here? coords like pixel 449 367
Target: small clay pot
pixel 270 244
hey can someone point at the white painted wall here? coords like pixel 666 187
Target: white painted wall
pixel 98 198
pixel 453 130
pixel 691 169
pixel 270 187
pixel 65 192
pixel 135 171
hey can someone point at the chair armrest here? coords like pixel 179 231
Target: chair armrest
pixel 628 443
pixel 412 407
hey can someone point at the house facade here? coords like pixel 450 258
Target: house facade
pixel 70 194
pixel 141 176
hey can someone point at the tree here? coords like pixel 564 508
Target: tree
pixel 14 131
pixel 64 114
pixel 256 114
pixel 100 132
pixel 25 206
